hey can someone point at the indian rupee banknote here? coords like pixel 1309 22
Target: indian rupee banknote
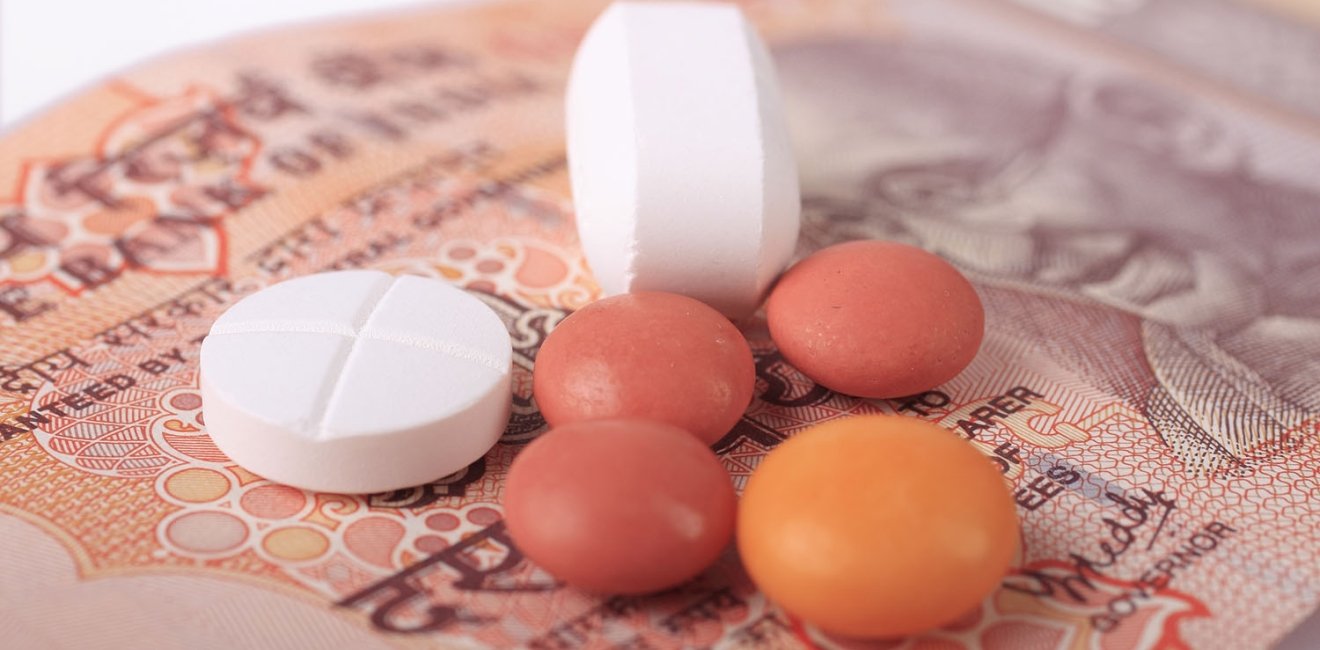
pixel 1140 222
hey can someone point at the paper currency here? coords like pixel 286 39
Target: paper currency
pixel 1263 47
pixel 1141 231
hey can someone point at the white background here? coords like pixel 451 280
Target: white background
pixel 50 49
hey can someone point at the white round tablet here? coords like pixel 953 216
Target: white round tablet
pixel 356 381
pixel 683 175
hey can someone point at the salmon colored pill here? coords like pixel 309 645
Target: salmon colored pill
pixel 650 355
pixel 876 319
pixel 619 506
pixel 877 526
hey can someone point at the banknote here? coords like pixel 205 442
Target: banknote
pixel 1142 234
pixel 1268 48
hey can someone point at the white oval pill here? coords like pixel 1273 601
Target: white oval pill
pixel 683 176
pixel 356 381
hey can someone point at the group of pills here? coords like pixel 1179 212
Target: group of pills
pixel 852 525
pixel 687 204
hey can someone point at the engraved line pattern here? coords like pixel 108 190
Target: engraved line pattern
pixel 279 326
pixel 360 330
pixel 447 348
pixel 327 399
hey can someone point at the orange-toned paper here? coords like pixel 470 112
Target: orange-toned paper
pixel 1139 222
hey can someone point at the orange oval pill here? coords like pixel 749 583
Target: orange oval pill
pixel 876 526
pixel 650 355
pixel 619 506
pixel 876 319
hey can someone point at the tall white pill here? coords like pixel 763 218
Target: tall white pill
pixel 683 175
pixel 356 381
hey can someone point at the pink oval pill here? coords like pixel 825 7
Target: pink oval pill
pixel 876 319
pixel 650 355
pixel 619 506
